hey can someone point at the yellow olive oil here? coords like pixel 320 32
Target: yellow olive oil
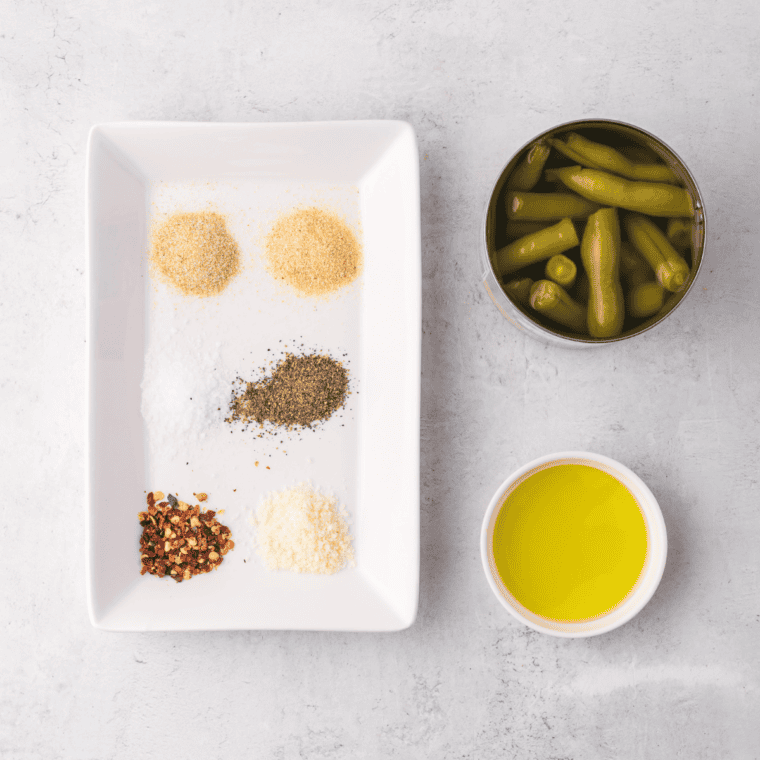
pixel 570 542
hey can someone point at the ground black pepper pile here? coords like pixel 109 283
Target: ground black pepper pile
pixel 301 392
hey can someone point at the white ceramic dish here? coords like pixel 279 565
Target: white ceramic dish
pixel 654 564
pixel 368 455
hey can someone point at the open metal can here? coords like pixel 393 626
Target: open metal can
pixel 627 139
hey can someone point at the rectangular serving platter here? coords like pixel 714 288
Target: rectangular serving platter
pixel 159 363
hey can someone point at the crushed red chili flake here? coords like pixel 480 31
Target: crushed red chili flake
pixel 180 540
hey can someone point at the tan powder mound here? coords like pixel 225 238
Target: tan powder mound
pixel 313 251
pixel 303 530
pixel 195 253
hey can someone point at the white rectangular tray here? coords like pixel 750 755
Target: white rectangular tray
pixel 141 334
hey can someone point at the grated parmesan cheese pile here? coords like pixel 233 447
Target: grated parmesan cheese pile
pixel 303 530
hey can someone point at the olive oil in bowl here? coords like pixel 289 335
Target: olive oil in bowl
pixel 570 542
pixel 574 545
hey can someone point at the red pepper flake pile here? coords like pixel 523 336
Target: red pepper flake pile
pixel 180 540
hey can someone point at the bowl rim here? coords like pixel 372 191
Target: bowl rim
pixel 655 525
pixel 524 321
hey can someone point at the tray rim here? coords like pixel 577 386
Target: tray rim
pixel 415 335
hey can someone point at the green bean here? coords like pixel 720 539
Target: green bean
pixel 645 299
pixel 644 295
pixel 653 198
pixel 600 254
pixel 538 246
pixel 639 154
pixel 596 156
pixel 670 269
pixel 553 301
pixel 528 171
pixel 679 233
pixel 561 270
pixel 544 207
pixel 633 268
pixel 519 290
pixel 516 230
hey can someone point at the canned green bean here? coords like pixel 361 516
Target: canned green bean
pixel 651 159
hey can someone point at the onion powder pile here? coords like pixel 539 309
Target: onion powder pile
pixel 195 253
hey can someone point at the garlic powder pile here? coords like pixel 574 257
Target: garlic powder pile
pixel 313 251
pixel 303 530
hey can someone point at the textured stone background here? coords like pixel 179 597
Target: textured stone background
pixel 681 406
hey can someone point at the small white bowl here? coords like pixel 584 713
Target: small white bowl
pixel 654 564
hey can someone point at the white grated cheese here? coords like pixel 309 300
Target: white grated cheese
pixel 303 530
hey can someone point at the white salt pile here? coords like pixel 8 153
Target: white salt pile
pixel 184 393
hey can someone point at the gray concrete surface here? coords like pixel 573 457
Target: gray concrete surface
pixel 681 406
